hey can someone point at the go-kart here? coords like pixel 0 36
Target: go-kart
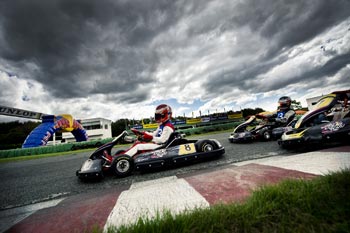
pixel 279 131
pixel 256 127
pixel 328 121
pixel 175 151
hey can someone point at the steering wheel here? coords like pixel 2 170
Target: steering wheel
pixel 142 136
pixel 260 116
pixel 139 134
pixel 136 132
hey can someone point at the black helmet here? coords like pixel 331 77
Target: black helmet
pixel 284 102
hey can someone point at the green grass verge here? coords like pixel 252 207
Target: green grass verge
pixel 30 157
pixel 319 205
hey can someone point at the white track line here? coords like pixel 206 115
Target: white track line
pixel 149 198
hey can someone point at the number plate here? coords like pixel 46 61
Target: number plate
pixel 187 149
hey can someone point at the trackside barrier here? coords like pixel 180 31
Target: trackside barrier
pixel 52 149
pixel 209 128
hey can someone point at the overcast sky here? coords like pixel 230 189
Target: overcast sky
pixel 120 59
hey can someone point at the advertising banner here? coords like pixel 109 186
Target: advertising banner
pixel 9 111
pixel 220 116
pixel 150 126
pixel 137 127
pixel 205 119
pixel 193 121
pixel 235 116
pixel 179 122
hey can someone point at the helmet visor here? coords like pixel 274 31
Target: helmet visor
pixel 284 106
pixel 158 116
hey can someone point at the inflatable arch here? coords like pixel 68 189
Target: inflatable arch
pixel 52 124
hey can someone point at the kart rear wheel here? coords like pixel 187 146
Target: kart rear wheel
pixel 205 146
pixel 122 166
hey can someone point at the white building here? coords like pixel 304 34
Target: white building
pixel 312 101
pixel 96 129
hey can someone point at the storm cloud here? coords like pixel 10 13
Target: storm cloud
pixel 113 56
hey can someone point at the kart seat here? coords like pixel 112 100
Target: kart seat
pixel 174 137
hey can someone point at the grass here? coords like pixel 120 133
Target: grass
pixel 29 157
pixel 319 205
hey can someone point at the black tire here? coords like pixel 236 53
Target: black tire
pixel 266 136
pixel 205 146
pixel 122 166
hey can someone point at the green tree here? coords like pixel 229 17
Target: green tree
pixel 13 134
pixel 296 105
pixel 249 111
pixel 119 126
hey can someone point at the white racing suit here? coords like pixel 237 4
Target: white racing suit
pixel 159 137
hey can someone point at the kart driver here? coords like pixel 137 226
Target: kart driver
pixel 160 136
pixel 285 113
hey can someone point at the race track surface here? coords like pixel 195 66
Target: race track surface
pixel 36 181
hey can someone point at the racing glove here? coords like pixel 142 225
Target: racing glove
pixel 146 137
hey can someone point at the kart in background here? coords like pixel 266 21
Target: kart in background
pixel 176 151
pixel 256 127
pixel 279 131
pixel 328 121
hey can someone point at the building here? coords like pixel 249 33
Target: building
pixel 312 101
pixel 96 128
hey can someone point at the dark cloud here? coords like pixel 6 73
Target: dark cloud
pixel 122 98
pixel 285 24
pixel 330 68
pixel 73 41
pixel 239 78
pixel 78 48
pixel 290 22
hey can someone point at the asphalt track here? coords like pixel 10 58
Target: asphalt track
pixel 29 186
pixel 35 181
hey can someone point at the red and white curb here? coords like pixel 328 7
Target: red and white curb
pixel 151 198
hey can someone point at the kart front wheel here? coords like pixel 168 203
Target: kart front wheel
pixel 205 146
pixel 123 165
pixel 266 136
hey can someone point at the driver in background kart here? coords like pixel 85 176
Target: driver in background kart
pixel 160 136
pixel 341 110
pixel 284 113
